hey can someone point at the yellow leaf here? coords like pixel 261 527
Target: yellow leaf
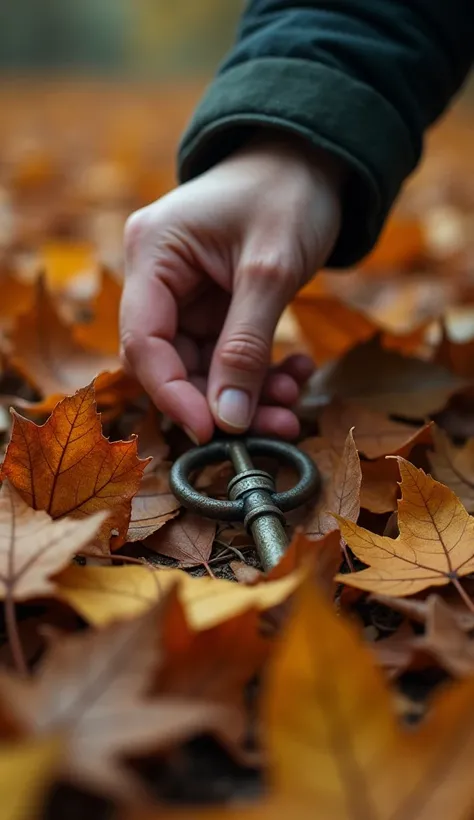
pixel 27 769
pixel 63 261
pixel 102 333
pixel 104 594
pixel 435 545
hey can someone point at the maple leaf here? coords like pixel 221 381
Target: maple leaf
pixel 68 467
pixel 103 594
pixel 91 689
pixel 27 770
pixel 152 506
pixel 445 640
pixel 102 333
pixel 336 750
pixel 383 381
pixel 341 488
pixel 454 466
pixel 188 539
pixel 45 353
pixel 33 546
pixel 435 545
pixel 375 434
pixel 417 609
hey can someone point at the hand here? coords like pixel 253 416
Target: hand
pixel 210 269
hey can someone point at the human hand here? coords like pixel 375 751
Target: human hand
pixel 209 270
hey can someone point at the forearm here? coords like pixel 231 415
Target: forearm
pixel 361 79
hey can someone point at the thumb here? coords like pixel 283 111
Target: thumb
pixel 243 352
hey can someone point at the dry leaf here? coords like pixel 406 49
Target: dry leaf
pixel 341 489
pixel 435 545
pixel 65 261
pixel 188 539
pixel 323 557
pixel 382 381
pixel 91 688
pixel 379 490
pixel 375 434
pixel 417 609
pixel 152 506
pixel 151 442
pixel 336 749
pixel 102 333
pixel 445 640
pixel 454 466
pixel 396 653
pixel 329 327
pixel 33 546
pixel 103 594
pixel 17 298
pixel 46 355
pixel 214 664
pixel 67 467
pixel 27 770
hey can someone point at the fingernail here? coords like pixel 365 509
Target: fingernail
pixel 191 435
pixel 233 408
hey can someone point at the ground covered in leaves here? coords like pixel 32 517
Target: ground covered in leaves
pixel 149 668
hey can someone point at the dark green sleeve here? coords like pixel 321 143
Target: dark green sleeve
pixel 360 78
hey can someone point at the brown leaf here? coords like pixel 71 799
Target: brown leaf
pixel 188 539
pixel 375 434
pixel 417 609
pixel 382 381
pixel 102 333
pixel 435 545
pixel 454 466
pixel 91 688
pixel 341 489
pixel 152 506
pixel 46 355
pixel 445 640
pixel 396 653
pixel 151 442
pixel 33 546
pixel 17 298
pixel 329 327
pixel 323 557
pixel 67 466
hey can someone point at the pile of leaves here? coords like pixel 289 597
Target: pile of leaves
pixel 149 668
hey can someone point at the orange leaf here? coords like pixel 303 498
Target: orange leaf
pixel 330 328
pixel 46 355
pixel 67 466
pixel 17 298
pixel 102 333
pixel 63 261
pixel 435 545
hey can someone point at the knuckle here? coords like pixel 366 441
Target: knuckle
pixel 131 345
pixel 245 350
pixel 272 271
pixel 134 230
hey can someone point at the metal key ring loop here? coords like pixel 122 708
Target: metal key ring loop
pixel 306 487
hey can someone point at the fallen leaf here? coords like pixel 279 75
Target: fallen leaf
pixel 91 687
pixel 152 506
pixel 45 353
pixel 329 327
pixel 396 653
pixel 445 640
pixel 417 609
pixel 27 770
pixel 33 546
pixel 454 466
pixel 379 490
pixel 435 545
pixel 336 749
pixel 375 434
pixel 17 298
pixel 188 539
pixel 382 381
pixel 323 557
pixel 67 466
pixel 102 333
pixel 151 442
pixel 103 594
pixel 64 261
pixel 456 357
pixel 341 489
pixel 213 664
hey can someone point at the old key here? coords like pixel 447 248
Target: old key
pixel 252 495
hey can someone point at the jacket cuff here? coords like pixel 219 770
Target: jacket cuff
pixel 330 109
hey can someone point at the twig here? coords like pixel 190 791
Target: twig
pixel 11 628
pixel 208 569
pixel 462 592
pixel 347 557
pixel 125 558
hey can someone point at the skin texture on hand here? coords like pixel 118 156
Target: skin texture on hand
pixel 209 269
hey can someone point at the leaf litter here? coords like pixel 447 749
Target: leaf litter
pixel 145 657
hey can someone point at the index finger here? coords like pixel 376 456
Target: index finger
pixel 148 326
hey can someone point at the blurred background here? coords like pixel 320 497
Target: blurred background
pixel 94 95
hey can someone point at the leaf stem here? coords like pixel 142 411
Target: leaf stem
pixel 347 556
pixel 208 569
pixel 11 627
pixel 463 594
